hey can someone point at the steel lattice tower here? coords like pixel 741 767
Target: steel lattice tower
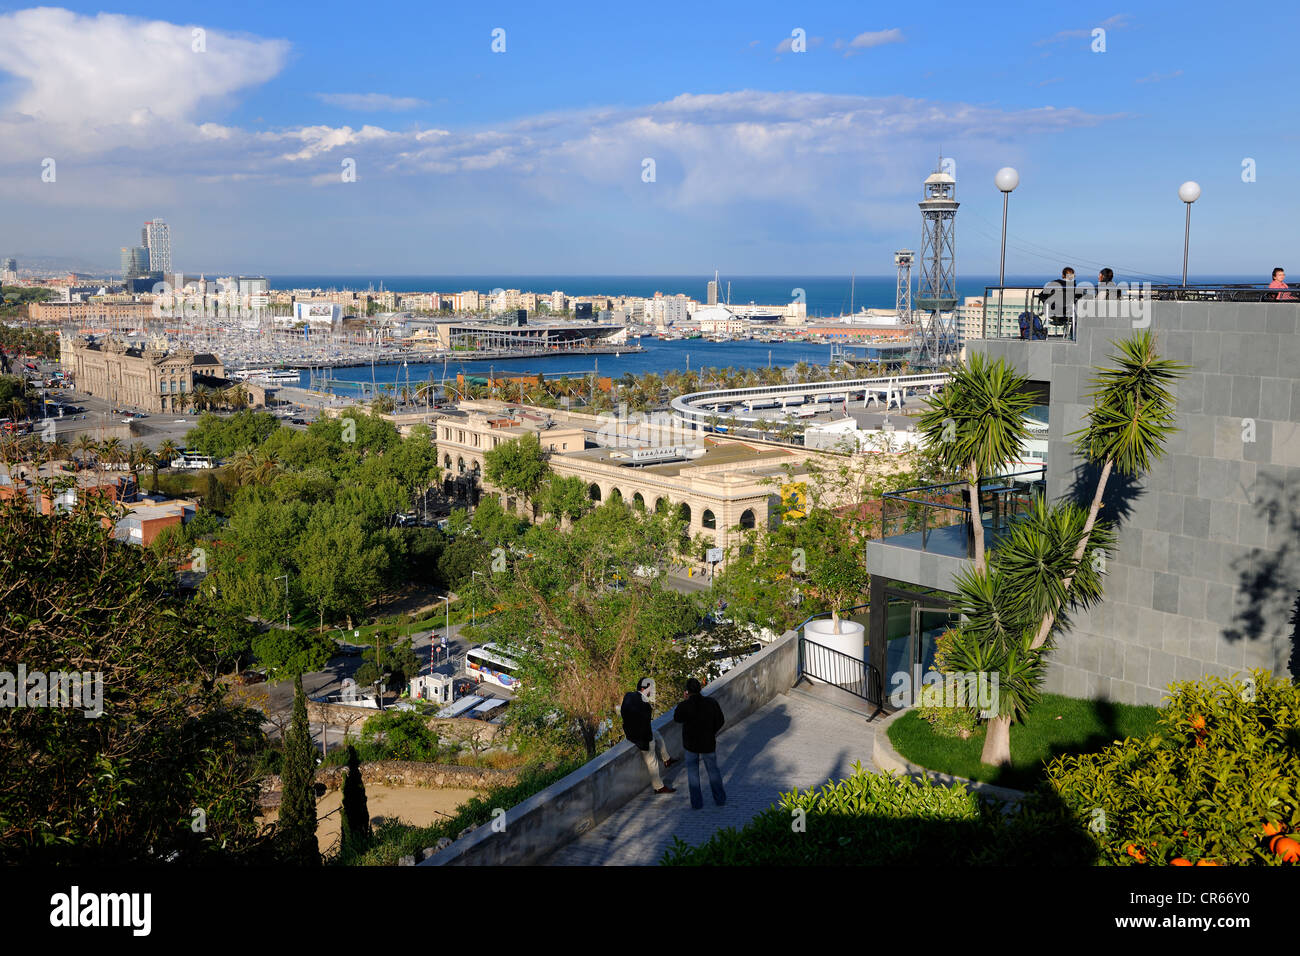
pixel 903 297
pixel 937 290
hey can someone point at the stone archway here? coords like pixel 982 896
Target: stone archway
pixel 638 502
pixel 707 519
pixel 616 495
pixel 684 512
pixel 593 491
pixel 747 518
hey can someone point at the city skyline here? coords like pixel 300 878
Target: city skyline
pixel 797 141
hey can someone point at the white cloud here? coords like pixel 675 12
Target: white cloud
pixel 1159 77
pixel 89 83
pixel 372 102
pixel 865 41
pixel 1118 21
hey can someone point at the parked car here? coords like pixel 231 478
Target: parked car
pixel 251 677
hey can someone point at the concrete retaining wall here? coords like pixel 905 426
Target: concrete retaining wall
pixel 570 807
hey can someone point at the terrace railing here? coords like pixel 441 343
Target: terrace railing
pixel 937 518
pixel 1004 305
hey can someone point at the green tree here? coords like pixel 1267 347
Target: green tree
pixel 122 787
pixel 586 643
pixel 287 654
pixel 295 829
pixel 517 467
pixel 400 735
pixel 1133 414
pixel 356 812
pixel 976 424
pixel 565 497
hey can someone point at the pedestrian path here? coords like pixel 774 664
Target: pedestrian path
pixel 792 741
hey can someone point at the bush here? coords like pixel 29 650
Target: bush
pixel 1219 767
pixel 877 819
pixel 399 735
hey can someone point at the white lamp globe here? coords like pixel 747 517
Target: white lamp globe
pixel 1189 191
pixel 1006 179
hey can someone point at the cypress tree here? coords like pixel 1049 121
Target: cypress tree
pixel 296 830
pixel 356 814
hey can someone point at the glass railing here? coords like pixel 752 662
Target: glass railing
pixel 1039 314
pixel 937 518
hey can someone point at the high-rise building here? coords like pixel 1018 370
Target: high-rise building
pixel 713 290
pixel 9 265
pixel 158 240
pixel 135 262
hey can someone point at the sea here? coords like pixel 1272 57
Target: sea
pixel 825 296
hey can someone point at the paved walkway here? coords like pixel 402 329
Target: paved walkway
pixel 792 741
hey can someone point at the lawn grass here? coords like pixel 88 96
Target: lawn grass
pixel 1057 725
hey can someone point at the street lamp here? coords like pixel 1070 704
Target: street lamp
pixel 1006 179
pixel 286 599
pixel 1188 192
pixel 473 605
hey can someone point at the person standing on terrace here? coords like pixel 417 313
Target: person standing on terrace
pixel 1279 282
pixel 637 713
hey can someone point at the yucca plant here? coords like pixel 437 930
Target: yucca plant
pixel 1002 606
pixel 1132 416
pixel 976 425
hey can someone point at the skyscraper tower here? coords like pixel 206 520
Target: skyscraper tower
pixel 713 289
pixel 158 239
pixel 937 290
pixel 903 297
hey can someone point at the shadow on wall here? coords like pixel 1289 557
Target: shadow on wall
pixel 1268 601
pixel 1117 500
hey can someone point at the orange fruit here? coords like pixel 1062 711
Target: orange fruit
pixel 1274 828
pixel 1285 847
pixel 1180 861
pixel 1206 863
pixel 1198 722
pixel 1135 852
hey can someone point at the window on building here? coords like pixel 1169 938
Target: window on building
pixel 707 520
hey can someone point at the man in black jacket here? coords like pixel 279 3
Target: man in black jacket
pixel 1061 295
pixel 701 719
pixel 637 712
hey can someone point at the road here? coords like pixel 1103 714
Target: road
pixel 330 680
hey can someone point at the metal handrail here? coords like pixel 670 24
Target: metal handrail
pixel 901 495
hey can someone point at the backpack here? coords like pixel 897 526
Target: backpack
pixel 1031 326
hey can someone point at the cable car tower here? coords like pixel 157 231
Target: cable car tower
pixel 903 297
pixel 937 290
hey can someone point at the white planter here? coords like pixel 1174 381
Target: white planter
pixel 851 641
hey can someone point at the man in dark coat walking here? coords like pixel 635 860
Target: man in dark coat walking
pixel 637 712
pixel 701 719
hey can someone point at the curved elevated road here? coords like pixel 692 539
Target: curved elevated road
pixel 698 407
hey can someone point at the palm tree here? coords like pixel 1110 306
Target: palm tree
pixel 976 424
pixel 168 452
pixel 1132 416
pixel 84 446
pixel 137 457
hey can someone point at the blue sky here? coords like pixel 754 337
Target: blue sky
pixel 531 160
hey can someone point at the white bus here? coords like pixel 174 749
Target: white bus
pixel 490 663
pixel 189 459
